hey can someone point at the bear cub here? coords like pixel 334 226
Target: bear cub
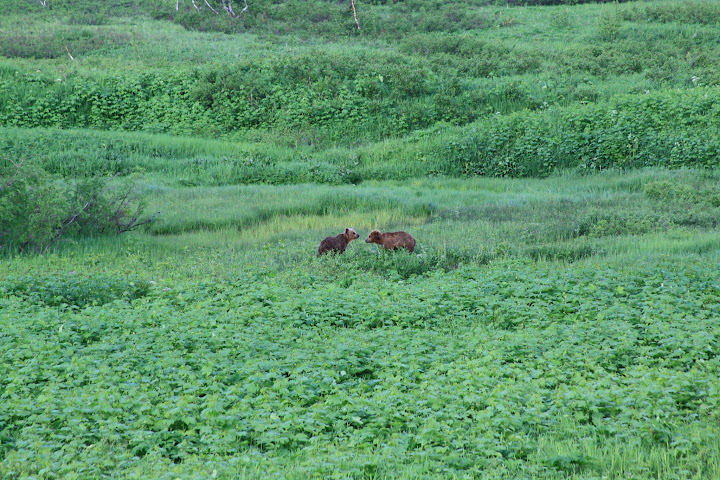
pixel 338 243
pixel 392 240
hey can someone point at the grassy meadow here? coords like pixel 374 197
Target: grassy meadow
pixel 558 166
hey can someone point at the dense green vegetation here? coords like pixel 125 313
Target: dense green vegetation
pixel 513 371
pixel 556 160
pixel 332 86
pixel 557 328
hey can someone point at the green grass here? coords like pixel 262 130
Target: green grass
pixel 279 83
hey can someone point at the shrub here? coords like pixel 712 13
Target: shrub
pixel 671 128
pixel 38 209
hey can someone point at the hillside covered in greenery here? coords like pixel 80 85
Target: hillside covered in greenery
pixel 451 88
pixel 168 170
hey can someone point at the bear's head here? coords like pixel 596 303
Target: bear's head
pixel 374 237
pixel 351 234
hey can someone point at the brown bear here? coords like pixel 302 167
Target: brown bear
pixel 392 240
pixel 338 243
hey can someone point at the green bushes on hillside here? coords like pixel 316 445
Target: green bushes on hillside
pixel 692 12
pixel 677 128
pixel 674 129
pixel 671 128
pixel 285 92
pixel 433 88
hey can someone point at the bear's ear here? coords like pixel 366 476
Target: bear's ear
pixel 347 230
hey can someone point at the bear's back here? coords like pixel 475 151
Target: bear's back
pixel 337 243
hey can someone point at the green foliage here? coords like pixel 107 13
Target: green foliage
pixel 293 81
pixel 510 335
pixel 609 26
pixel 698 193
pixel 75 291
pixel 23 209
pixel 560 325
pixel 38 209
pixel 53 42
pixel 403 265
pixel 692 11
pixel 672 129
pixel 503 362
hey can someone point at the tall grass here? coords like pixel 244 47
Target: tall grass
pixel 609 218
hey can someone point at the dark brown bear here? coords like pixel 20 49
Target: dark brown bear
pixel 392 240
pixel 338 243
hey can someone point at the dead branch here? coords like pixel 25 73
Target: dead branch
pixel 66 224
pixel 120 210
pixel 227 5
pixel 134 223
pixel 352 4
pixel 22 247
pixel 71 57
pixel 211 8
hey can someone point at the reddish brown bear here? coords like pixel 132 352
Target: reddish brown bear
pixel 392 240
pixel 338 243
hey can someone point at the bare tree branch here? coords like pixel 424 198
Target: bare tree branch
pixel 66 224
pixel 352 4
pixel 135 223
pixel 211 8
pixel 22 247
pixel 227 6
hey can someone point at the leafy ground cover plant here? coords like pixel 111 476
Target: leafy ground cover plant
pixel 483 371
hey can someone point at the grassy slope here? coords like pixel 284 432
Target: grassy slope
pixel 331 88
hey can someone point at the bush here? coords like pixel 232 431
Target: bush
pixel 666 191
pixel 38 209
pixel 672 128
